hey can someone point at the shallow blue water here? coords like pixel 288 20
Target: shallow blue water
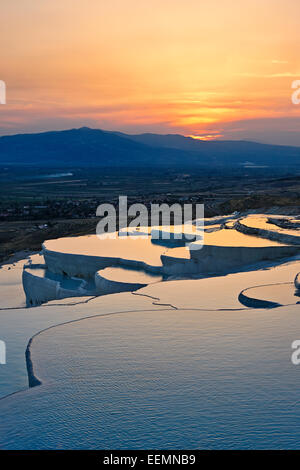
pixel 168 379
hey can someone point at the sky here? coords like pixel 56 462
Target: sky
pixel 217 69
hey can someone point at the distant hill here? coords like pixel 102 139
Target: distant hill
pixel 226 152
pixel 94 147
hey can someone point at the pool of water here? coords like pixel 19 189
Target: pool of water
pixel 129 275
pixel 135 248
pixel 164 379
pixel 263 223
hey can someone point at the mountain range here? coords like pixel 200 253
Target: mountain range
pixel 87 147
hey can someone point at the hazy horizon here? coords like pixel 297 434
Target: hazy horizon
pixel 116 131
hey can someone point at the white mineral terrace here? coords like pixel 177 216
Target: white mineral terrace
pixel 83 256
pixel 222 251
pixel 233 238
pixel 272 295
pixel 266 226
pixel 156 329
pixel 93 265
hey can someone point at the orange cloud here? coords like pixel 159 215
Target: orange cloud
pixel 167 66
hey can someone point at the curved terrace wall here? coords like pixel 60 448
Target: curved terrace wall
pixel 268 234
pixel 86 266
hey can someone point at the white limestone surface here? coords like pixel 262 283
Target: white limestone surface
pixel 222 291
pixel 11 289
pixel 163 379
pixel 18 325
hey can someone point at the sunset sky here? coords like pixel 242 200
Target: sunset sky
pixel 213 69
